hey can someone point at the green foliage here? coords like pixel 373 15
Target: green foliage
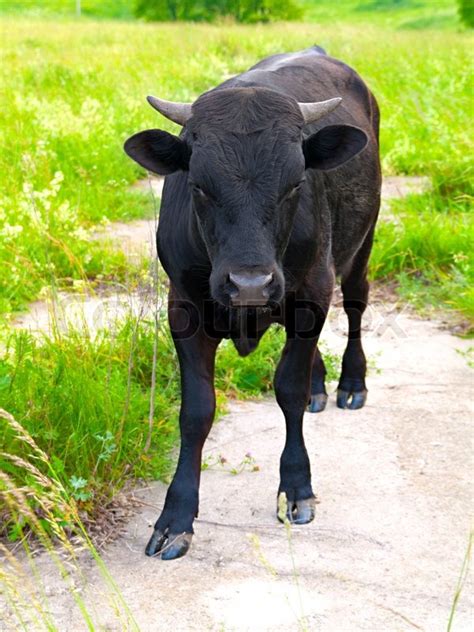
pixel 412 14
pixel 466 12
pixel 429 250
pixel 163 10
pixel 208 10
pixel 85 401
pixel 43 239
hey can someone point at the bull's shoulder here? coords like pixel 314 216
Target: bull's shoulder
pixel 314 60
pixel 312 75
pixel 307 75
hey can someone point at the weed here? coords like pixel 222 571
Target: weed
pixel 468 355
pixel 461 581
pixel 282 511
pixel 78 486
pixel 219 462
pixel 82 401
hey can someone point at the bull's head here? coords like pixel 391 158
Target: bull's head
pixel 245 155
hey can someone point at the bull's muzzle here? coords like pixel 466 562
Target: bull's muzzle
pixel 247 289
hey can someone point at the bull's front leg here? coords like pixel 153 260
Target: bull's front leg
pixel 292 388
pixel 196 353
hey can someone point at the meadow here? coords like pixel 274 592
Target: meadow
pixel 75 90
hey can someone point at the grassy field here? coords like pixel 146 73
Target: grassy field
pixel 74 90
pixel 394 14
pixel 405 14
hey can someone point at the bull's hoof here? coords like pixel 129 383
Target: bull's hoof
pixel 317 403
pixel 299 511
pixel 350 399
pixel 170 545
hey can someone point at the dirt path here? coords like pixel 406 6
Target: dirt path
pixel 391 530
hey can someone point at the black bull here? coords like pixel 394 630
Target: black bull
pixel 272 192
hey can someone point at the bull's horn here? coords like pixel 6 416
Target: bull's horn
pixel 178 112
pixel 313 111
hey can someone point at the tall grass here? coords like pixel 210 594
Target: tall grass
pixel 428 249
pixel 53 521
pixel 85 401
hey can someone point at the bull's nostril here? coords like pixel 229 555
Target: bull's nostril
pixel 233 289
pixel 250 288
pixel 243 281
pixel 268 279
pixel 266 286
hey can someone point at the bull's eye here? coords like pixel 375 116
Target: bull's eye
pixel 297 187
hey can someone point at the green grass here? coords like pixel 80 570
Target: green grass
pixel 397 14
pixel 121 9
pixel 44 514
pixel 428 249
pixel 85 401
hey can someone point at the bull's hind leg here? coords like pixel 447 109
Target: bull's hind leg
pixel 196 352
pixel 351 390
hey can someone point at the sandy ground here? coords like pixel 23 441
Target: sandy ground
pixel 391 530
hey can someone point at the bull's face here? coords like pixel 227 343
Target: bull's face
pixel 246 159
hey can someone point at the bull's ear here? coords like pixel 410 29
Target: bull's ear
pixel 333 146
pixel 158 151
